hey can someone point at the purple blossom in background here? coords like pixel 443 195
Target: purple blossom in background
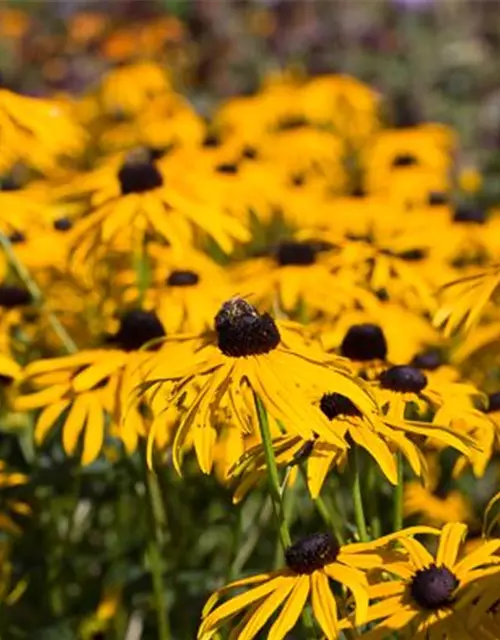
pixel 413 4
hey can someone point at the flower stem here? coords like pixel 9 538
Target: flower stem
pixel 37 294
pixel 277 497
pixel 154 551
pixel 398 496
pixel 272 473
pixel 373 504
pixel 359 514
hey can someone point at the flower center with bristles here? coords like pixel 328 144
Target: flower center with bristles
pixel 296 253
pixel 182 279
pixel 430 360
pixel 364 342
pixel 243 331
pixel 432 588
pixel 12 297
pixel 335 404
pixel 437 198
pixel 404 160
pixel 137 327
pixel 311 553
pixel 403 378
pixel 139 173
pixel 229 168
pixel 493 402
pixel 63 224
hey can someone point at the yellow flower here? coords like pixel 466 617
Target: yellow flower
pixel 247 354
pixel 431 596
pixel 434 509
pixel 311 563
pixel 81 392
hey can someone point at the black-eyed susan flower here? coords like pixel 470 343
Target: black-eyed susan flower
pixel 12 508
pixel 249 353
pixel 436 509
pixel 83 392
pixel 134 194
pixel 431 596
pixel 312 562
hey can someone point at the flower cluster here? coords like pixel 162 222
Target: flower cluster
pixel 292 291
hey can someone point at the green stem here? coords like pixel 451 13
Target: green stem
pixel 37 294
pixel 373 503
pixel 155 549
pixel 359 514
pixel 272 473
pixel 276 496
pixel 141 267
pixel 398 496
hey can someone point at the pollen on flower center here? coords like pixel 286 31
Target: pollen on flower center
pixel 335 404
pixel 403 378
pixel 364 342
pixel 432 588
pixel 137 327
pixel 182 279
pixel 295 253
pixel 12 296
pixel 311 553
pixel 139 173
pixel 242 331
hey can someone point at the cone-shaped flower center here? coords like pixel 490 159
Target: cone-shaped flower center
pixel 12 296
pixel 229 168
pixel 139 173
pixel 493 402
pixel 466 213
pixel 433 587
pixel 364 342
pixel 403 378
pixel 404 160
pixel 430 360
pixel 182 279
pixel 412 255
pixel 63 224
pixel 311 553
pixel 295 253
pixel 243 331
pixel 335 404
pixel 17 237
pixel 437 198
pixel 138 327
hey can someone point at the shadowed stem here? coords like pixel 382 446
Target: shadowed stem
pixel 37 294
pixel 276 496
pixel 359 514
pixel 398 496
pixel 155 550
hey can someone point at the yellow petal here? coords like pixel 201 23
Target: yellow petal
pixel 324 605
pixel 292 609
pixel 451 538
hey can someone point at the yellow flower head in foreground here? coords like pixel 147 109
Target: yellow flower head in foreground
pixel 311 563
pixel 248 355
pixel 432 597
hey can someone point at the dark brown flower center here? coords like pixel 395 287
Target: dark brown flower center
pixel 137 327
pixel 242 331
pixel 295 253
pixel 433 588
pixel 12 296
pixel 182 279
pixel 430 360
pixel 311 553
pixel 63 224
pixel 335 404
pixel 404 160
pixel 139 173
pixel 364 342
pixel 469 214
pixel 493 402
pixel 17 237
pixel 229 168
pixel 436 198
pixel 403 378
